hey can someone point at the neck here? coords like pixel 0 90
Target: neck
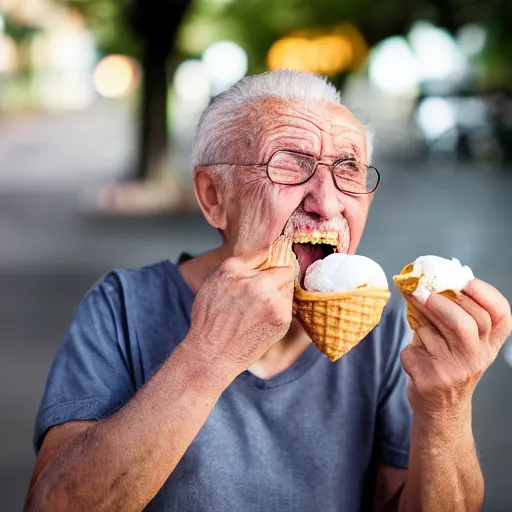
pixel 279 356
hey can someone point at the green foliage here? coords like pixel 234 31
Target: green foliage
pixel 257 24
pixel 108 22
pixel 18 32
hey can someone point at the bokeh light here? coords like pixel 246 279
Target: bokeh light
pixel 326 54
pixel 471 39
pixel 436 116
pixel 437 53
pixel 8 54
pixel 226 63
pixel 393 67
pixel 192 81
pixel 116 76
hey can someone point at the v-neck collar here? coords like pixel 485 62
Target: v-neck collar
pixel 296 370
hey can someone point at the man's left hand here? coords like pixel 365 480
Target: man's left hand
pixel 451 351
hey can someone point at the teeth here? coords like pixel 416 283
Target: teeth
pixel 316 237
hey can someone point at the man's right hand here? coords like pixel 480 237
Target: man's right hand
pixel 240 312
pixel 122 462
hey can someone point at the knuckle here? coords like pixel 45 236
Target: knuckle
pixel 486 323
pixel 279 321
pixel 503 314
pixel 465 328
pixel 274 316
pixel 229 265
pixel 407 356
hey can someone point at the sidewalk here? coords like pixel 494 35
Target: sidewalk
pixel 66 150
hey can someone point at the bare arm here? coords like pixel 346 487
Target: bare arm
pixel 456 343
pixel 444 472
pixel 121 463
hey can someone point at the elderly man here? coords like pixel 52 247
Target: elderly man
pixel 190 388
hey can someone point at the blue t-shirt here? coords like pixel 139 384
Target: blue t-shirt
pixel 307 439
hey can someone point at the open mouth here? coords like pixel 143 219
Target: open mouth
pixel 309 251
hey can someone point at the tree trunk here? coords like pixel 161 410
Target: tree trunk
pixel 157 23
pixel 153 133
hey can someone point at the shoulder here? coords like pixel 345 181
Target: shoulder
pixel 127 287
pixel 125 302
pixel 150 275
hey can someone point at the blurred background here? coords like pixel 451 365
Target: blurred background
pixel 98 103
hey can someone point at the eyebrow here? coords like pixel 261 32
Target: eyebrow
pixel 351 151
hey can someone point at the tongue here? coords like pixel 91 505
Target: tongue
pixel 307 254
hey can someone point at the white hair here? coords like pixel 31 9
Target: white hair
pixel 221 122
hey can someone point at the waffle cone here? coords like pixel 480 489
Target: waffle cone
pixel 337 322
pixel 407 284
pixel 280 254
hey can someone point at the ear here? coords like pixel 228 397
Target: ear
pixel 210 198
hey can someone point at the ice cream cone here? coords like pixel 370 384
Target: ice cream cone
pixel 337 322
pixel 407 284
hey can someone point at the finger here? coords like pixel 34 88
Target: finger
pixel 475 310
pixel 414 361
pixel 246 261
pixel 456 326
pixel 288 290
pixel 281 276
pixel 496 306
pixel 428 336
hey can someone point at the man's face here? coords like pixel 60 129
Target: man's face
pixel 259 210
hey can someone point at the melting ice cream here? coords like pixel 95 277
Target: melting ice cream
pixel 343 272
pixel 438 274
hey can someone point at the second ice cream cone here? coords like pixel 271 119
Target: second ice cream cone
pixel 407 285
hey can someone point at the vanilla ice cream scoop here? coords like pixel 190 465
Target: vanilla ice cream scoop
pixel 438 274
pixel 342 273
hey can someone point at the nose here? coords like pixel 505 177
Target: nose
pixel 323 200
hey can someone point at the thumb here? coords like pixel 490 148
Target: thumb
pixel 282 276
pixel 253 260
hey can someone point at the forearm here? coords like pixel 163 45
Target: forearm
pixel 122 462
pixel 444 473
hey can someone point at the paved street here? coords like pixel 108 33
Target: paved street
pixel 51 252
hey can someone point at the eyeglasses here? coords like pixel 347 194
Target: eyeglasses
pixel 294 168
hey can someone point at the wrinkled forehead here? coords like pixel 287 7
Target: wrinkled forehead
pixel 321 129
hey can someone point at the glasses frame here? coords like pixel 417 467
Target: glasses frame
pixel 318 162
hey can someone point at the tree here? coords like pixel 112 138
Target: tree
pixel 157 23
pixel 146 29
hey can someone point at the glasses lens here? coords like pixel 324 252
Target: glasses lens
pixel 287 168
pixel 356 178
